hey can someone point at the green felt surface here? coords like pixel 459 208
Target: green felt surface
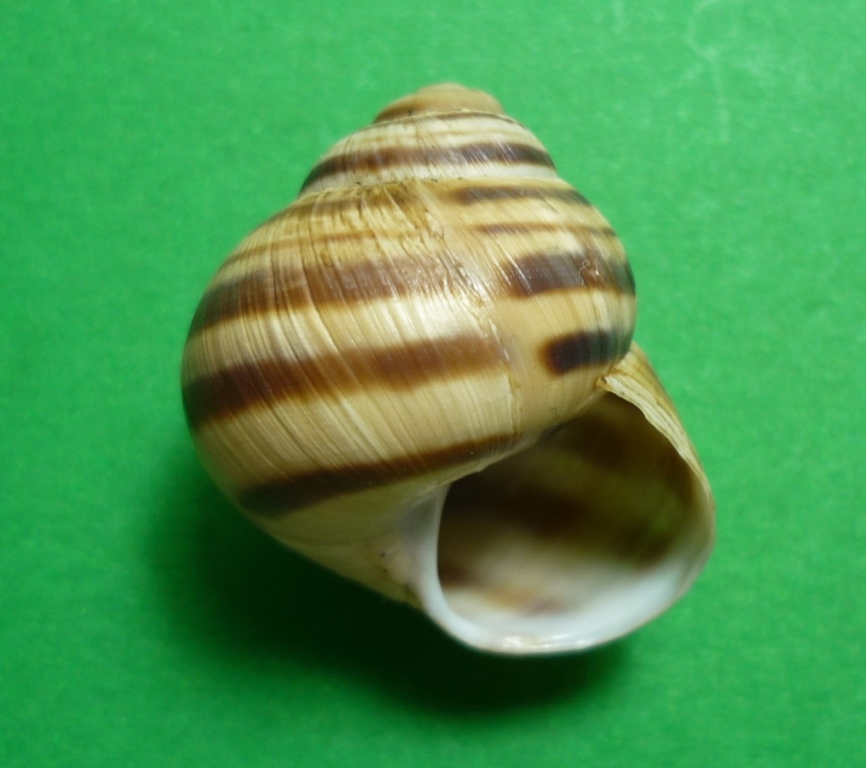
pixel 144 623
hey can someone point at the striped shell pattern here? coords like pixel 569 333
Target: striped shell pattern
pixel 421 375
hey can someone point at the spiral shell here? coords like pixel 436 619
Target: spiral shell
pixel 421 375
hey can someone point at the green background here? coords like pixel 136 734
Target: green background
pixel 144 623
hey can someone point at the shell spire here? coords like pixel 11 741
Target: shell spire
pixel 444 98
pixel 439 133
pixel 421 374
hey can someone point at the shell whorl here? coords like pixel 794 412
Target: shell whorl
pixel 443 98
pixel 441 132
pixel 418 321
pixel 437 299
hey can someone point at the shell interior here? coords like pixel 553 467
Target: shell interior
pixel 573 542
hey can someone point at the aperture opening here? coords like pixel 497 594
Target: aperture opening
pixel 584 536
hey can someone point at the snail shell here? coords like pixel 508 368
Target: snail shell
pixel 421 375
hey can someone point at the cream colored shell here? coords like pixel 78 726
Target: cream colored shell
pixel 421 375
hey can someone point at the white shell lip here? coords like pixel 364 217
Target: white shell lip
pixel 632 598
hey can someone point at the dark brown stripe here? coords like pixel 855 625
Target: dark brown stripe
pixel 235 389
pixel 622 449
pixel 467 195
pixel 507 495
pixel 545 272
pixel 584 349
pixel 467 154
pixel 398 111
pixel 421 113
pixel 374 199
pixel 291 287
pixel 367 206
pixel 375 279
pixel 247 295
pixel 293 493
pixel 343 200
pixel 616 437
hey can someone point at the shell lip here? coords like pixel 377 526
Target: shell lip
pixel 652 593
